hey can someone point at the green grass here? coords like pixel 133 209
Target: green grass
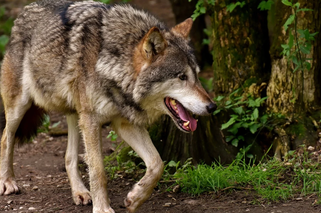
pixel 298 175
pixel 273 180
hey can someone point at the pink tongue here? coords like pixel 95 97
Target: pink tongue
pixel 185 116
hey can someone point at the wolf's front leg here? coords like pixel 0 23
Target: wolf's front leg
pixel 80 193
pixel 139 139
pixel 91 130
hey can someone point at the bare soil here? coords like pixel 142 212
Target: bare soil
pixel 40 172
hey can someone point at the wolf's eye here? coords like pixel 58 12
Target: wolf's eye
pixel 182 76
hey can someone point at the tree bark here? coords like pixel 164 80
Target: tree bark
pixel 296 95
pixel 297 92
pixel 241 43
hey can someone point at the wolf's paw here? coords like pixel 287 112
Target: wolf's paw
pixel 82 198
pixel 134 200
pixel 108 210
pixel 8 187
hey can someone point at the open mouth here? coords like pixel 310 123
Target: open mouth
pixel 181 116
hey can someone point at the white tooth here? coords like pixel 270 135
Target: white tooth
pixel 186 123
pixel 173 102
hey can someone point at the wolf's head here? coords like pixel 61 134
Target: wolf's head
pixel 166 77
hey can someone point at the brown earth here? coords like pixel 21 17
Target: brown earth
pixel 40 173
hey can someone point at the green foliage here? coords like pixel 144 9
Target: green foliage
pixel 200 7
pixel 300 40
pixel 112 135
pixel 46 125
pixel 246 115
pixel 272 180
pixel 5 29
pixel 123 162
pixel 265 5
pixel 232 6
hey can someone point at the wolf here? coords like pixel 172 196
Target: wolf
pixel 97 64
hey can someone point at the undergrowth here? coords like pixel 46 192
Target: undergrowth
pixel 272 179
pixel 298 175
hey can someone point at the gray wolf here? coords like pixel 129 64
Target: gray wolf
pixel 97 64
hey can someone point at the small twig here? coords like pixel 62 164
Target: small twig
pixel 29 201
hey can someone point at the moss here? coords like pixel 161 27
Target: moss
pixel 299 130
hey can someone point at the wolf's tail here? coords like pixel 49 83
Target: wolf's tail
pixel 29 124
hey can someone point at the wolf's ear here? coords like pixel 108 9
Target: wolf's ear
pixel 183 28
pixel 154 43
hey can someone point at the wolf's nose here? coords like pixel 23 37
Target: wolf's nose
pixel 211 108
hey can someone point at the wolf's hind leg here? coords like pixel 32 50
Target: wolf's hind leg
pixel 139 139
pixel 80 193
pixel 14 114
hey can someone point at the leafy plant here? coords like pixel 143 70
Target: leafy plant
pixel 265 5
pixel 5 29
pixel 112 135
pixel 200 7
pixel 232 6
pixel 300 40
pixel 246 115
pixel 46 125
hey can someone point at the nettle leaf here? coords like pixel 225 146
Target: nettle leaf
pixel 232 6
pixel 246 125
pixel 216 111
pixel 172 163
pixel 229 123
pixel 203 10
pixel 240 137
pixel 305 49
pixel 295 60
pixel 219 98
pixel 228 102
pixel 307 65
pixel 239 110
pixel 265 5
pixel 254 103
pixel 235 142
pixel 297 5
pixel 264 118
pixel 288 22
pixel 255 114
pixel 235 128
pixel 304 9
pixel 254 127
pixel 229 138
pixel 291 38
pixel 287 3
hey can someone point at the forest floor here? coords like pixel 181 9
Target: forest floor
pixel 40 172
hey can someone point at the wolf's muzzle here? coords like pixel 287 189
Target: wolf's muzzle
pixel 211 107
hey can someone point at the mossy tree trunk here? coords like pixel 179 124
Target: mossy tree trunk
pixel 295 94
pixel 241 45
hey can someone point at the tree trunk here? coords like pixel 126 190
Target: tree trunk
pixel 241 44
pixel 295 94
